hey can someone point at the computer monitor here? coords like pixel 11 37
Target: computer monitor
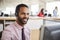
pixel 51 32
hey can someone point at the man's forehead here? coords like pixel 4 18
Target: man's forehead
pixel 24 9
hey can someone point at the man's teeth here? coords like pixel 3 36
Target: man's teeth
pixel 25 19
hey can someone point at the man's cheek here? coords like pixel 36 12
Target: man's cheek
pixel 20 17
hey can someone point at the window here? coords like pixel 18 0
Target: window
pixel 51 5
pixel 34 9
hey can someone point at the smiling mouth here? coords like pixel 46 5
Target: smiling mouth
pixel 25 20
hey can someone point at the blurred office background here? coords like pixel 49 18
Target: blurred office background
pixel 7 14
pixel 8 6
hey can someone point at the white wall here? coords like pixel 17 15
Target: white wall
pixel 13 3
pixel 42 3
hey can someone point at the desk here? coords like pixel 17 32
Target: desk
pixel 35 34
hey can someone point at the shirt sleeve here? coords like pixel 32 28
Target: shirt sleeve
pixel 6 35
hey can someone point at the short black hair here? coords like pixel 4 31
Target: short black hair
pixel 18 8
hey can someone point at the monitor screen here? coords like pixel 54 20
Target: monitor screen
pixel 51 32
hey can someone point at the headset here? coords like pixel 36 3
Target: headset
pixel 18 7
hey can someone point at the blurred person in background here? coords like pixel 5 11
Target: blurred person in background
pixel 55 12
pixel 41 13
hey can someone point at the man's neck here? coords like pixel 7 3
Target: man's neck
pixel 20 23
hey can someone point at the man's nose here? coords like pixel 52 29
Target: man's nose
pixel 26 15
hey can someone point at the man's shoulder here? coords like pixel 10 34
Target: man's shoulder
pixel 9 27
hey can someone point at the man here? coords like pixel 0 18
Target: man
pixel 55 12
pixel 17 30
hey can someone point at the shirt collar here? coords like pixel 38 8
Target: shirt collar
pixel 18 26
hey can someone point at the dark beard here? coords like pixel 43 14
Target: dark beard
pixel 20 20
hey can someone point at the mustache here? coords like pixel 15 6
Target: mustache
pixel 25 18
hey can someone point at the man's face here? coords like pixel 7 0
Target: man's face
pixel 23 15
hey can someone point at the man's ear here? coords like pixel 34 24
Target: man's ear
pixel 16 14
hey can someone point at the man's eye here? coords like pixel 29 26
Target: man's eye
pixel 27 13
pixel 23 13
